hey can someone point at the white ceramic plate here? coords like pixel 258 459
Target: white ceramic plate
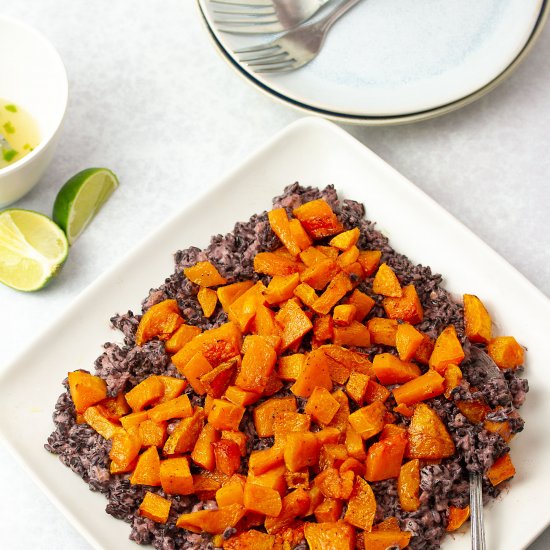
pixel 313 152
pixel 391 58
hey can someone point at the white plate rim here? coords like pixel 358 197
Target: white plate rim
pixel 369 120
pixel 314 135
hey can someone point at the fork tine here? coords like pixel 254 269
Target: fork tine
pixel 243 21
pixel 283 67
pixel 276 59
pixel 257 48
pixel 252 12
pixel 249 3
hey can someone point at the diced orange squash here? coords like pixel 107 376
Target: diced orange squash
pixel 272 264
pixel 180 407
pixel 389 369
pixel 203 452
pixel 349 257
pixel 133 419
pixel 116 468
pixel 102 425
pixel 344 314
pixel 290 366
pixel 357 467
pixel 273 385
pixel 361 506
pixel 386 282
pixel 382 330
pixel 301 238
pixel 207 483
pixel 457 516
pixel 363 304
pixel 315 373
pixel 217 345
pixel 243 310
pixel 328 251
pixel 306 294
pixel 225 415
pixel 147 469
pixel 184 334
pixel 281 288
pixel 217 380
pixel 229 293
pixel 356 334
pixel 152 433
pixel 204 274
pixel 453 376
pixel 380 540
pixel 295 480
pixel 318 219
pixel 424 350
pixel 404 410
pixel 114 408
pixel 328 435
pixel 208 299
pixel 196 367
pixel 376 392
pixel 250 540
pixel 477 321
pixel 323 328
pixel 368 421
pixel 301 451
pixel 173 387
pixel 264 324
pixel 329 510
pixel 319 274
pixel 354 444
pixel 294 323
pixel 330 536
pixel 211 521
pixel 428 436
pixel 321 406
pixel 502 428
pixel 295 504
pixel 175 476
pixel 240 438
pixel 125 447
pixel 389 524
pixel 505 352
pixel 341 418
pixel 339 370
pixel 408 485
pixel 279 222
pixel 335 485
pixel 274 478
pixel 241 397
pixel 336 290
pixel 145 393
pixel 430 384
pixel 155 507
pixel 354 361
pixel 332 455
pixel 357 386
pixel 407 341
pixel 261 499
pixel 369 260
pixel 384 459
pixel 227 456
pixel 160 320
pixel 312 255
pixel 447 350
pixel 264 415
pixel 406 307
pixel 501 470
pixel 185 435
pixel 232 492
pixel 86 389
pixel 286 422
pixel 257 365
pixel 346 239
pixel 261 461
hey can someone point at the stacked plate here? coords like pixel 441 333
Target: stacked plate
pixel 393 61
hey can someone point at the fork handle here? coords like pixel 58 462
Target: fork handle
pixel 326 22
pixel 476 512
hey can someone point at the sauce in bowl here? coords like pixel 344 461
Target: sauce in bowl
pixel 19 129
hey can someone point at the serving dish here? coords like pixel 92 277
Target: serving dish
pixel 34 78
pixel 314 152
pixel 390 75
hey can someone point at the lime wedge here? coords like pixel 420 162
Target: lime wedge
pixel 32 249
pixel 81 198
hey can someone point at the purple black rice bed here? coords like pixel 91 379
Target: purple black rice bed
pixel 123 365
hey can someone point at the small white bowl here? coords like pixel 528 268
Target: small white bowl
pixel 34 78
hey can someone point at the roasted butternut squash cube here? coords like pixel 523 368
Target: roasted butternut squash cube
pixel 384 459
pixel 386 282
pixel 260 462
pixel 337 288
pixel 102 425
pixel 274 478
pixel 180 407
pixel 152 433
pixel 382 330
pixel 453 376
pixel 290 366
pixel 203 452
pixel 406 307
pixel 86 389
pixel 264 415
pixel 281 288
pixel 355 334
pixel 261 499
pixel 286 422
pixel 125 447
pixel 301 451
pixel 380 540
pixel 315 373
pixel 361 506
pixel 160 320
pixel 389 369
pixel 273 264
pixel 357 385
pixel 293 322
pixel 147 469
pixel 457 516
pixel 173 387
pixel 240 438
pixel 354 444
pixel 155 507
pixel 430 384
pixel 227 455
pixel 363 304
pixel 225 415
pixel 241 397
pixel 231 493
pixel 368 421
pixel 204 274
pixel 185 435
pixel 346 239
pixel 196 367
pixel 408 485
pixel 216 381
pixel 183 335
pixel 447 350
pixel 257 365
pixel 321 406
pixel 341 418
pixel 344 314
pixel 208 300
pixel 229 293
pixel 329 510
pixel 477 321
pixel 294 505
pixel 318 219
pixel 175 476
pixel 501 470
pixel 302 239
pixel 211 521
pixel 407 341
pixel 505 352
pixel 369 260
pixel 280 225
pixel 250 540
pixel 330 536
pixel 428 436
pixel 145 393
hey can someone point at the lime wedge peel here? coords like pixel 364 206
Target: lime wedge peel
pixel 32 249
pixel 81 198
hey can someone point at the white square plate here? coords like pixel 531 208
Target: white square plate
pixel 313 152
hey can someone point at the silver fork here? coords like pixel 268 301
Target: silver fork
pixel 262 16
pixel 293 49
